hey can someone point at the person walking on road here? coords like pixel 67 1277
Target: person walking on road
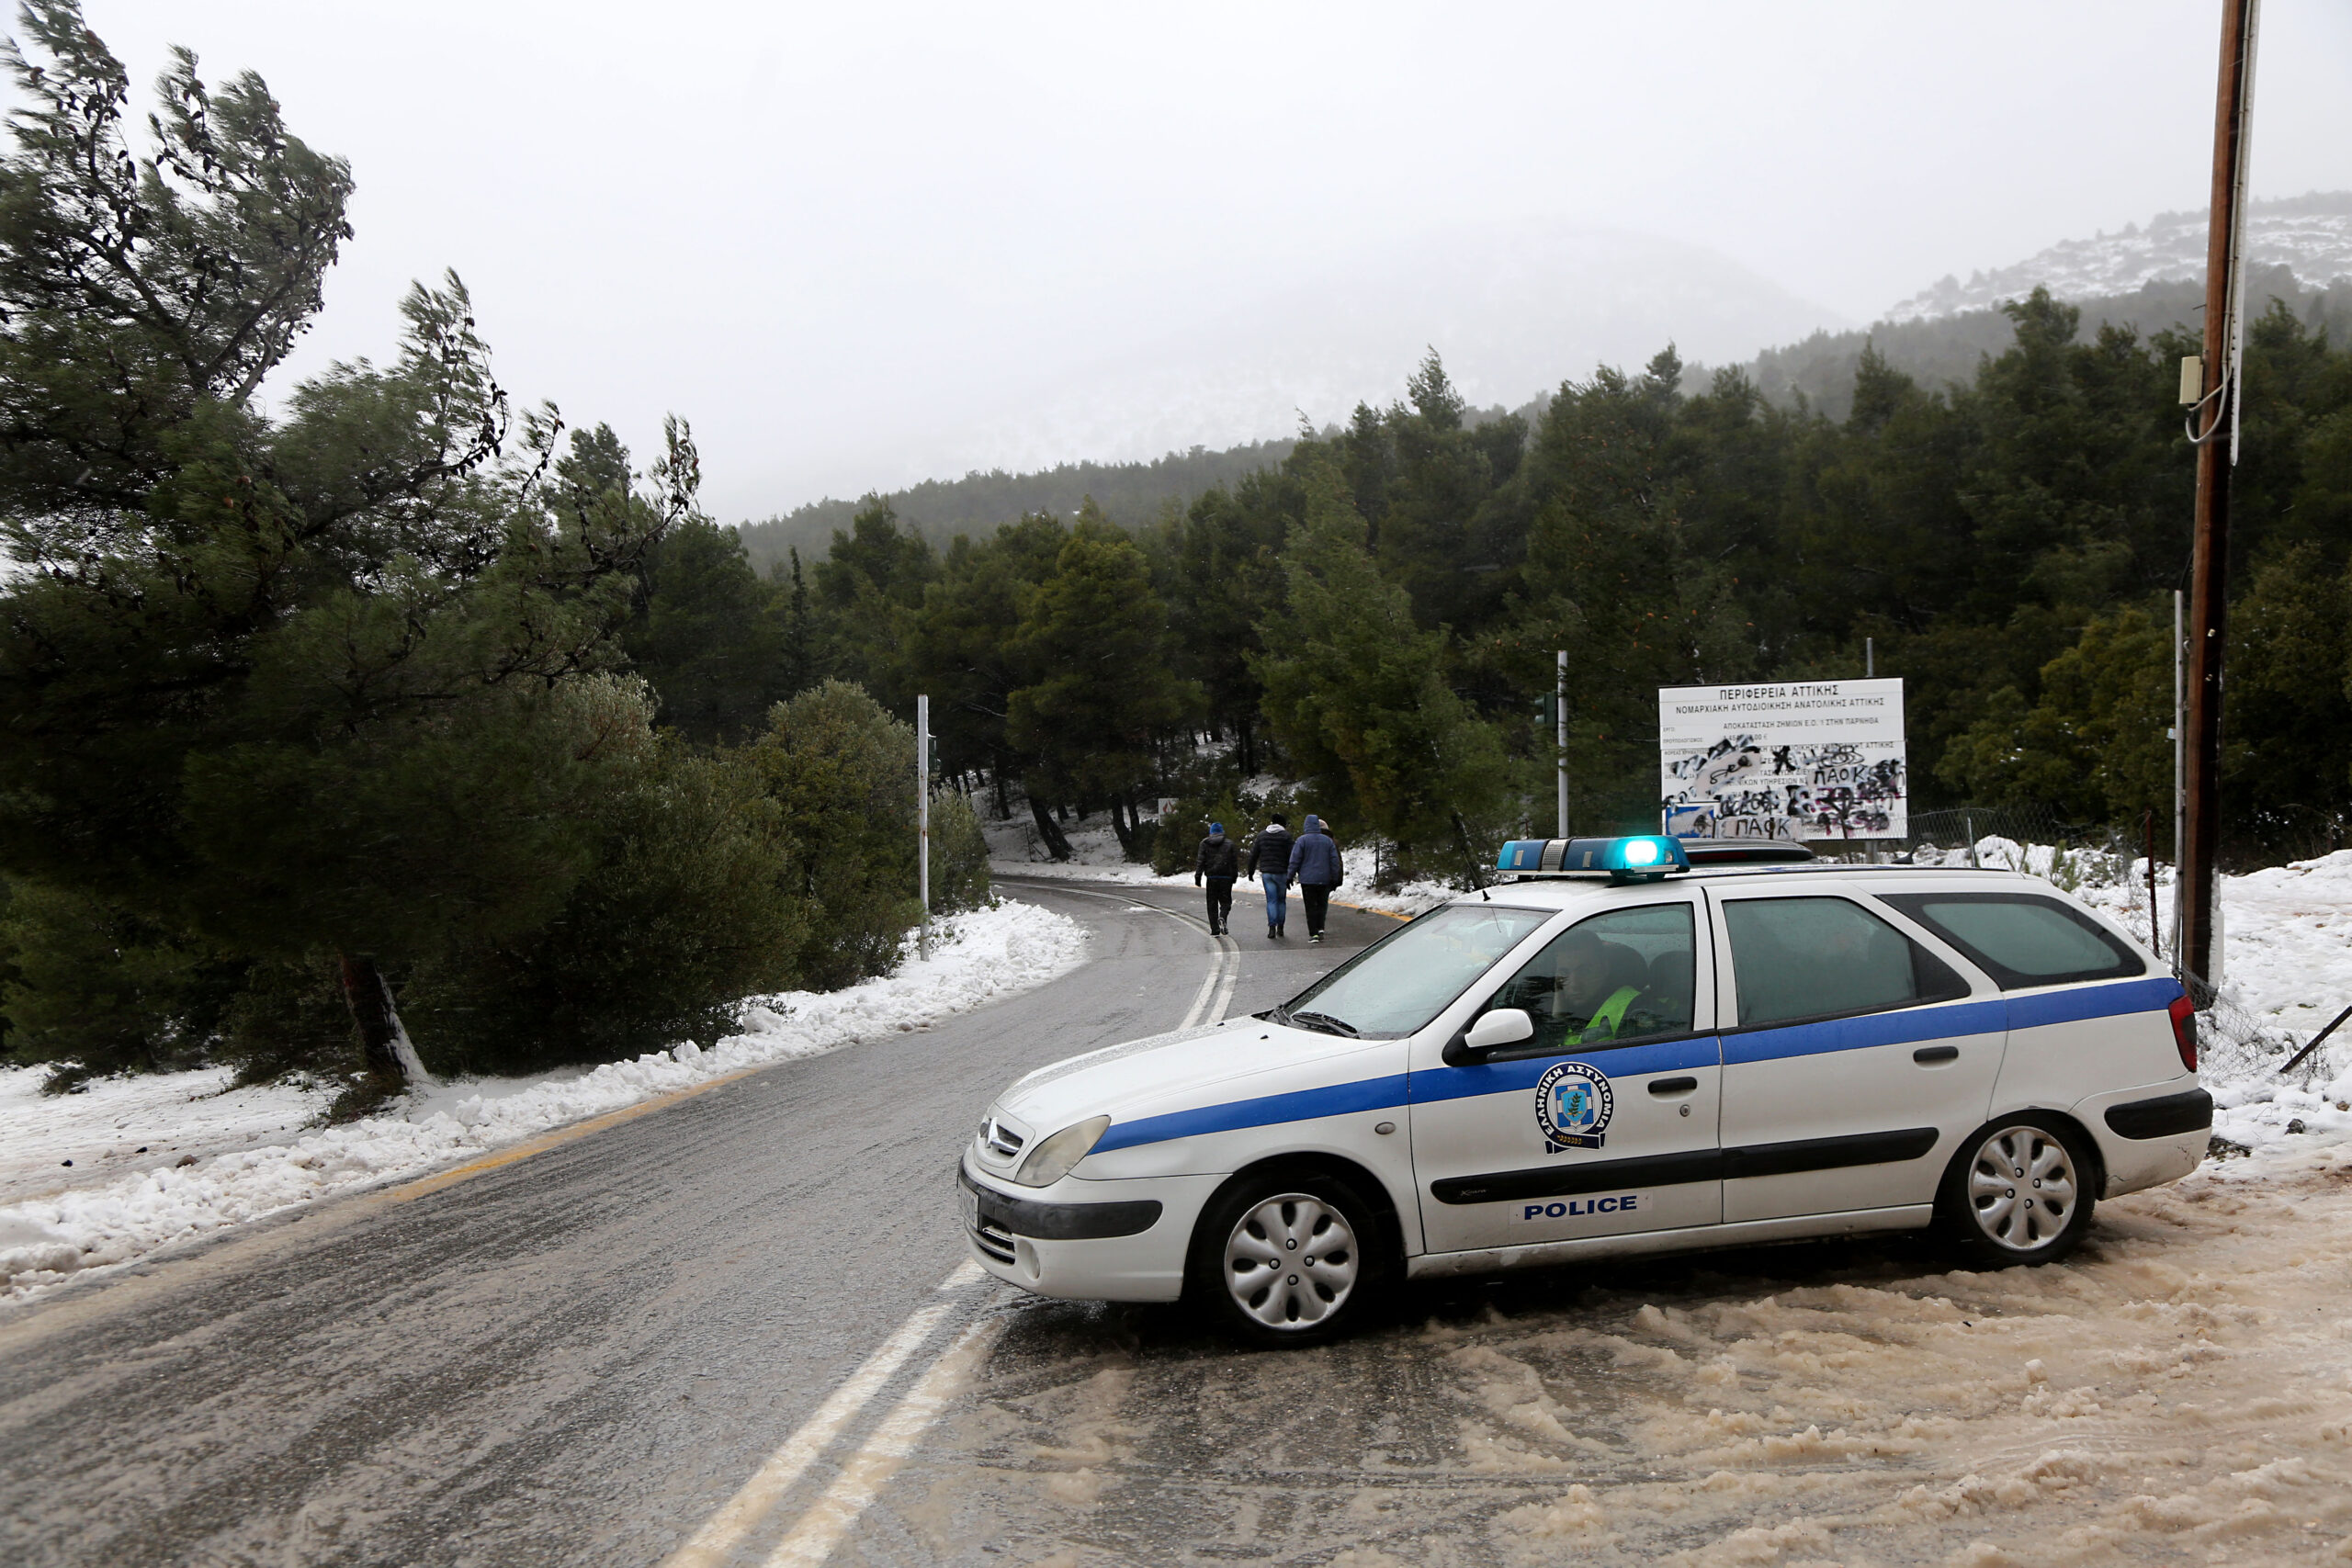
pixel 1214 867
pixel 1315 865
pixel 1270 863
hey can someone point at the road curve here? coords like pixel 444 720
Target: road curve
pixel 581 1357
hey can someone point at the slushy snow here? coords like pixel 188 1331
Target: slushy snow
pixel 258 1156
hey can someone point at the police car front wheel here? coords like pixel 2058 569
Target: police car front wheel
pixel 1287 1258
pixel 2021 1191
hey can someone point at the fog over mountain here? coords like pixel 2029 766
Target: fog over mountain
pixel 863 246
pixel 1513 309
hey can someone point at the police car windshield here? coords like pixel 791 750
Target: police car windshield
pixel 1406 978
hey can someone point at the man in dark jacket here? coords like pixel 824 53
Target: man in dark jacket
pixel 1315 865
pixel 1215 865
pixel 1269 863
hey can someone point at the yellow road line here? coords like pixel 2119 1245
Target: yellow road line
pixel 1372 909
pixel 562 1135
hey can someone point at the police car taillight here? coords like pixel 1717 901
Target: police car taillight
pixel 2184 1030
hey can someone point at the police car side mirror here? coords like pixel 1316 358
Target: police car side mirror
pixel 1504 1026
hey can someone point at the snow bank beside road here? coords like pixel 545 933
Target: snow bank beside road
pixel 982 955
pixel 2286 970
pixel 114 1127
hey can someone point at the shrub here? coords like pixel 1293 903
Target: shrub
pixel 842 771
pixel 684 913
pixel 959 855
pixel 95 990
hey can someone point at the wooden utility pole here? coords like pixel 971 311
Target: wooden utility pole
pixel 2213 417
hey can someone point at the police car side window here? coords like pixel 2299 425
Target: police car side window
pixel 2022 939
pixel 1613 979
pixel 1807 958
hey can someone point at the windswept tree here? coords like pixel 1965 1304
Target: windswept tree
pixel 327 681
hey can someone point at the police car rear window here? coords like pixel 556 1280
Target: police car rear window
pixel 2022 939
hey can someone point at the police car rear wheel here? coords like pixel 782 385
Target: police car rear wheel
pixel 2021 1193
pixel 1286 1259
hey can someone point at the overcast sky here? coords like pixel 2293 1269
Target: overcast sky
pixel 841 239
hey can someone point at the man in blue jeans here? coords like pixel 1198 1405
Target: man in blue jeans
pixel 1270 863
pixel 1315 865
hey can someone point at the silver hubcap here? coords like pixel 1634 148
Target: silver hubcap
pixel 2021 1188
pixel 1291 1261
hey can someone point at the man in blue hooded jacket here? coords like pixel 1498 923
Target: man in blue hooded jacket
pixel 1314 866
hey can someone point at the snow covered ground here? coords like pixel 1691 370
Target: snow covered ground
pixel 104 1177
pixel 133 1163
pixel 2286 970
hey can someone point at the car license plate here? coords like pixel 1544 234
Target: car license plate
pixel 971 1203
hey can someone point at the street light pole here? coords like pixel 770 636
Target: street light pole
pixel 2210 563
pixel 1560 737
pixel 922 817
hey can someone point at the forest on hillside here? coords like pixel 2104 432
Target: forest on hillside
pixel 1374 616
pixel 941 509
pixel 1817 374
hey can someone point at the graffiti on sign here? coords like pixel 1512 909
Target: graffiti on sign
pixel 1802 760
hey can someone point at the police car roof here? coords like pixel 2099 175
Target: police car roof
pixel 1560 891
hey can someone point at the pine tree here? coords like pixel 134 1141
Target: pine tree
pixel 1356 692
pixel 1103 694
pixel 319 682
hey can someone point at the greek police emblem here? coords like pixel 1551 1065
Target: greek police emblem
pixel 1573 1104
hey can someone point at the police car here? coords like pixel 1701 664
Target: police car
pixel 1611 1051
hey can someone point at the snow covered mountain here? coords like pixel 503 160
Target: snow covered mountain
pixel 2311 235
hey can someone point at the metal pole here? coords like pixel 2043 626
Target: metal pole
pixel 2179 769
pixel 1560 720
pixel 1869 659
pixel 922 816
pixel 2209 564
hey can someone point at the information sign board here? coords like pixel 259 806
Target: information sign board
pixel 1797 760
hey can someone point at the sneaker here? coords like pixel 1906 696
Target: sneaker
pixel 1272 933
pixel 1314 936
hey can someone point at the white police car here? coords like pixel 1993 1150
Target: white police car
pixel 1610 1052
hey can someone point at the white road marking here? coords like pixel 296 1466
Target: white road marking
pixel 1215 994
pixel 1224 987
pixel 1208 987
pixel 818 1531
pixel 714 1543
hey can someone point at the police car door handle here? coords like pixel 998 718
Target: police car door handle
pixel 1665 1087
pixel 1935 1055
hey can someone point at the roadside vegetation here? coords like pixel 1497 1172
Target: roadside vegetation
pixel 388 727
pixel 330 742
pixel 1372 619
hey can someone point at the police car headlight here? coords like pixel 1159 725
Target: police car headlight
pixel 1051 1160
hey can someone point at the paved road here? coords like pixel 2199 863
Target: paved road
pixel 577 1358
pixel 655 1346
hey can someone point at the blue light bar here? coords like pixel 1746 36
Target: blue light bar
pixel 1640 858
